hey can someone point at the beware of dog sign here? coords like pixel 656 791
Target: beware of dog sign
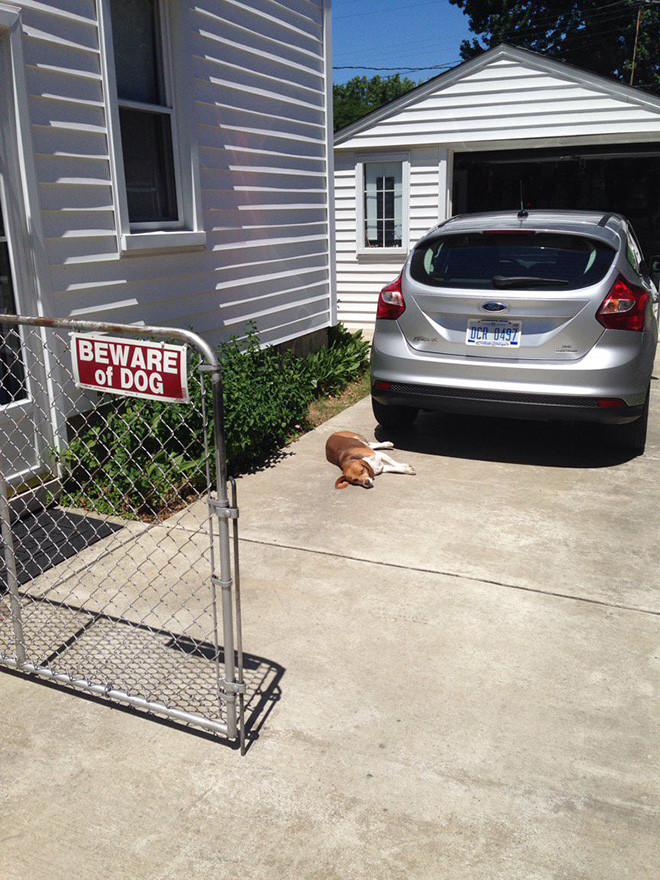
pixel 154 370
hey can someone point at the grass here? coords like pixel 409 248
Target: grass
pixel 326 407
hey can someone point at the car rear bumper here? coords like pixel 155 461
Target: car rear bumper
pixel 618 367
pixel 506 405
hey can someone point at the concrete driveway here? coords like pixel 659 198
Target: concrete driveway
pixel 469 659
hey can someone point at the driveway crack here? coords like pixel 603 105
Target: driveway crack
pixel 453 574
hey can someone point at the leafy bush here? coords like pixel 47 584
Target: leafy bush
pixel 136 457
pixel 330 369
pixel 266 396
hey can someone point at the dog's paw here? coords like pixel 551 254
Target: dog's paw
pixel 387 444
pixel 410 470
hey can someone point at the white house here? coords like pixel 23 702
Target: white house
pixel 164 162
pixel 167 161
pixel 469 140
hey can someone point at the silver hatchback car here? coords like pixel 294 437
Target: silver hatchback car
pixel 534 315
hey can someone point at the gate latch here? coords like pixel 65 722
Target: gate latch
pixel 233 687
pixel 223 510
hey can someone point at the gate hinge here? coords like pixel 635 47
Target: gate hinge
pixel 224 511
pixel 233 687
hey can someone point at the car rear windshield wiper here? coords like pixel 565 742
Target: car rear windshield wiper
pixel 523 281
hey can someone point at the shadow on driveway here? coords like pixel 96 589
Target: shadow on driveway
pixel 512 441
pixel 44 539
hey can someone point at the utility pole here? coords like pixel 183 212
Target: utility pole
pixel 634 59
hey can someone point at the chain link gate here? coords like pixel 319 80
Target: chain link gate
pixel 117 574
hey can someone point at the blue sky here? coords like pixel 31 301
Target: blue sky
pixel 395 33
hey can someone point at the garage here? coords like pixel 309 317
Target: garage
pixel 621 178
pixel 468 140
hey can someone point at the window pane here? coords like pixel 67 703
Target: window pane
pixel 146 140
pixel 136 43
pixel 383 204
pixel 12 373
pixel 392 169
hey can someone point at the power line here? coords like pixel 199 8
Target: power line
pixel 603 16
pixel 605 12
pixel 529 32
pixel 380 11
pixel 407 69
pixel 598 35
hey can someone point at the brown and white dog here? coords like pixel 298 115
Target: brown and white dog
pixel 359 460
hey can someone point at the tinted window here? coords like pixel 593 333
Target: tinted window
pixel 509 261
pixel 136 47
pixel 146 140
pixel 146 131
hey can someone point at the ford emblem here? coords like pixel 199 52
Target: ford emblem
pixel 494 307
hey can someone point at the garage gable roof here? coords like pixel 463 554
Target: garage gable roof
pixel 494 58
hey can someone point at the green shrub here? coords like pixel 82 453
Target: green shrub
pixel 330 369
pixel 138 458
pixel 266 396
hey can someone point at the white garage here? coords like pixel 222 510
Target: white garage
pixel 471 140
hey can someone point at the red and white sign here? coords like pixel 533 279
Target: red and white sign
pixel 155 370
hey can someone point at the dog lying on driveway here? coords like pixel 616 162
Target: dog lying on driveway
pixel 359 460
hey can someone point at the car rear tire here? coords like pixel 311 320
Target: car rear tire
pixel 394 415
pixel 632 436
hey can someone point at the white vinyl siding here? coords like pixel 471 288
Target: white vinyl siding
pixel 254 73
pixel 504 100
pixel 360 278
pixel 260 95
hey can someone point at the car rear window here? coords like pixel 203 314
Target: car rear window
pixel 501 260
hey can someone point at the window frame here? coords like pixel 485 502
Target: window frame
pixel 376 253
pixel 187 231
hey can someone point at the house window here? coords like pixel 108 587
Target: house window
pixel 146 114
pixel 383 204
pixel 12 371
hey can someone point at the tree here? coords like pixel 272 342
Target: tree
pixel 362 94
pixel 596 35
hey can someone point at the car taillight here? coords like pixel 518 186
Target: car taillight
pixel 391 304
pixel 624 307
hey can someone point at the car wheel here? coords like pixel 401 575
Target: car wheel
pixel 394 415
pixel 632 436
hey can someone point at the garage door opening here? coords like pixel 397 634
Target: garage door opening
pixel 623 178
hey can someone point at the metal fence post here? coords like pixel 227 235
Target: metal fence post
pixel 239 620
pixel 225 581
pixel 10 567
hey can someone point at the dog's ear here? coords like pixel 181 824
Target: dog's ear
pixel 341 482
pixel 369 468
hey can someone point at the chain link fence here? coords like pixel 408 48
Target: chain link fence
pixel 119 571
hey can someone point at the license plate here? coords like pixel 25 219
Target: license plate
pixel 504 334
